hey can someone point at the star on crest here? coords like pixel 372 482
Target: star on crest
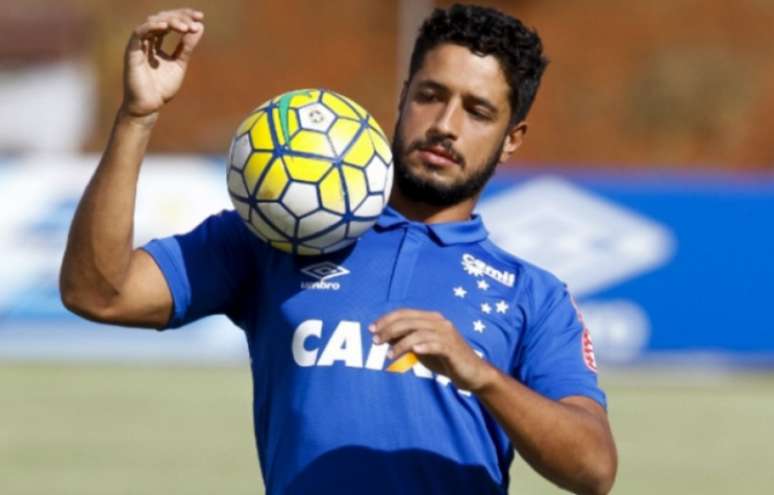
pixel 502 306
pixel 483 284
pixel 486 308
pixel 479 326
pixel 460 292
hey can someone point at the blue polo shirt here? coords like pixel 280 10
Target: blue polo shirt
pixel 333 414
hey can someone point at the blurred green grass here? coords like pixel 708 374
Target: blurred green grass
pixel 109 430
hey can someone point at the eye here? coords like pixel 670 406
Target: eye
pixel 426 95
pixel 480 114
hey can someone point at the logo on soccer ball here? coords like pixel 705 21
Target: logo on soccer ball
pixel 309 171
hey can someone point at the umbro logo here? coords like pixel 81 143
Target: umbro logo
pixel 323 272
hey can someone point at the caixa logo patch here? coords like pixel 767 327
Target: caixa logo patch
pixel 322 273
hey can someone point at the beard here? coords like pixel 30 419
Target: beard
pixel 433 192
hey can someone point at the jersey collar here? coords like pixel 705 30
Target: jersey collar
pixel 465 232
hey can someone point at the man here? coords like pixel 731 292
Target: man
pixel 340 403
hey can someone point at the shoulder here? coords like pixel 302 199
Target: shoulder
pixel 527 273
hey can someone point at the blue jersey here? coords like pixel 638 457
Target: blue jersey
pixel 333 414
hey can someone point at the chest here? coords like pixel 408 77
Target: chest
pixel 317 310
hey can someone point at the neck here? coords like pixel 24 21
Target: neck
pixel 427 213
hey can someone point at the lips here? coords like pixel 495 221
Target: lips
pixel 438 156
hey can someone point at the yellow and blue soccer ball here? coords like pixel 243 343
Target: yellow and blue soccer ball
pixel 309 171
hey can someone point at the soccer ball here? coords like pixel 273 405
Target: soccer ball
pixel 309 171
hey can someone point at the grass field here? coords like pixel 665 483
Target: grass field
pixel 112 430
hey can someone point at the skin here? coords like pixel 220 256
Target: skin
pixel 462 98
pixel 457 98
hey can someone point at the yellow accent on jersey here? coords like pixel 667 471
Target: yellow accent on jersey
pixel 404 363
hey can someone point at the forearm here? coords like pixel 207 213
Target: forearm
pixel 99 245
pixel 565 443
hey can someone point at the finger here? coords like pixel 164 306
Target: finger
pixel 410 341
pixel 400 328
pixel 405 313
pixel 188 42
pixel 150 28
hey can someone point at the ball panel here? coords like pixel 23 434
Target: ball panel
pixel 242 207
pixel 281 218
pixel 236 184
pixel 302 97
pixel 337 104
pixel 307 169
pixel 256 165
pixel 381 145
pixel 371 207
pixel 361 151
pixel 249 121
pixel 329 238
pixel 331 192
pixel 317 222
pixel 240 151
pixel 283 246
pixel 260 133
pixel 355 183
pixel 316 117
pixel 267 231
pixel 357 228
pixel 312 142
pixel 273 183
pixel 300 198
pixel 307 251
pixel 339 245
pixel 376 172
pixel 342 133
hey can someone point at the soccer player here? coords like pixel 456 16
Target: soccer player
pixel 435 355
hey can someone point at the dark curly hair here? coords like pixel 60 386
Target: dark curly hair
pixel 487 31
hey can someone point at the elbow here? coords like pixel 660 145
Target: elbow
pixel 601 472
pixel 84 304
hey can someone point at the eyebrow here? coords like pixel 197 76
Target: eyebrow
pixel 476 100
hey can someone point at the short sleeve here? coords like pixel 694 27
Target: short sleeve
pixel 555 357
pixel 207 270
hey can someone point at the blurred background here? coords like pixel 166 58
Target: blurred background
pixel 646 182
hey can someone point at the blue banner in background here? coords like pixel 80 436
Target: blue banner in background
pixel 667 266
pixel 675 266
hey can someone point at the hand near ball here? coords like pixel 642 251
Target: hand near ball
pixel 152 77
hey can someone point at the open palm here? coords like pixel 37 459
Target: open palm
pixel 151 76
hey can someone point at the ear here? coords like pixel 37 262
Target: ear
pixel 513 140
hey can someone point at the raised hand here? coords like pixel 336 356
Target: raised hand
pixel 151 76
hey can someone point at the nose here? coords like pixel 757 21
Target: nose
pixel 447 122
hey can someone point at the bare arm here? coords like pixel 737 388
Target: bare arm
pixel 102 277
pixel 569 442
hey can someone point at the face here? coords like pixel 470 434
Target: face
pixel 453 127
